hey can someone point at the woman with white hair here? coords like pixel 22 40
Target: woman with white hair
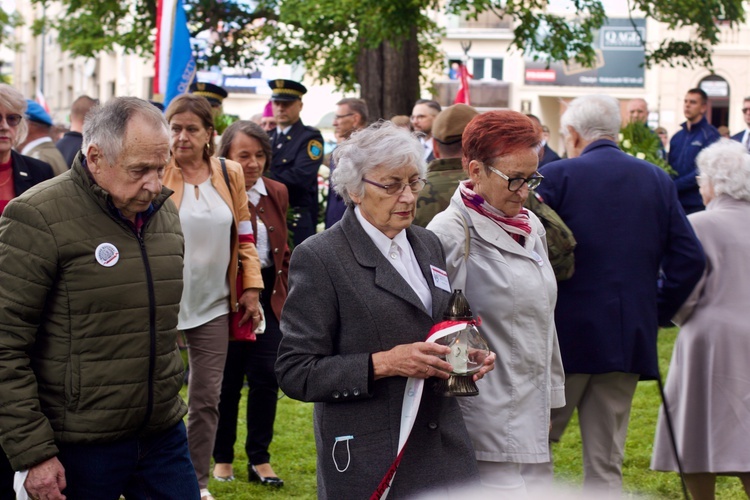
pixel 708 388
pixel 363 296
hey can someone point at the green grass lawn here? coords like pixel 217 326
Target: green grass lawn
pixel 293 451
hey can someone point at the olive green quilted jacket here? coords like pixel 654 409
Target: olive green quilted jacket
pixel 87 352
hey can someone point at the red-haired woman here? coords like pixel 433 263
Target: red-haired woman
pixel 497 253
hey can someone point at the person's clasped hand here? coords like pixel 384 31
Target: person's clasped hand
pixel 46 481
pixel 418 360
pixel 488 366
pixel 250 301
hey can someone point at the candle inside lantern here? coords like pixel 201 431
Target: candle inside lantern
pixel 459 356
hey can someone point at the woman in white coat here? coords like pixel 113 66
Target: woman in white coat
pixel 708 388
pixel 497 253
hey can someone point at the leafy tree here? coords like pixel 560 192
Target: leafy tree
pixel 380 45
pixel 86 27
pixel 377 43
pixel 8 22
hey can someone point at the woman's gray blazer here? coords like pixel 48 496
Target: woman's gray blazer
pixel 346 302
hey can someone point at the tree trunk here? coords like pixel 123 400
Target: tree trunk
pixel 389 77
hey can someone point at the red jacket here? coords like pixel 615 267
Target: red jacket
pixel 272 211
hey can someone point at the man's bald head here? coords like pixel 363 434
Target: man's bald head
pixel 638 110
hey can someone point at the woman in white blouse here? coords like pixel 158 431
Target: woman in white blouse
pixel 218 234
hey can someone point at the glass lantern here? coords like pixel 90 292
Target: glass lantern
pixel 468 350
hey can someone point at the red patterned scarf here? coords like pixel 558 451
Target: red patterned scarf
pixel 517 227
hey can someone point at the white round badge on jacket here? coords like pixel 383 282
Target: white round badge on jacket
pixel 107 255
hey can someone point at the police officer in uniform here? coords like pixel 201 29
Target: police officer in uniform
pixel 213 93
pixel 297 155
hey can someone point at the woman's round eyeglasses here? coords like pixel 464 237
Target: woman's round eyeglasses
pixel 12 120
pixel 399 187
pixel 517 182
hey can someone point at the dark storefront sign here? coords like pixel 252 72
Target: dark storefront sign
pixel 619 55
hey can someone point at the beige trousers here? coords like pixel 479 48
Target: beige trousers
pixel 207 354
pixel 603 402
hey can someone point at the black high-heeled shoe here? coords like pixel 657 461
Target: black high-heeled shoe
pixel 254 475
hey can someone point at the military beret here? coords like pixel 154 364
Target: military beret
pixel 286 90
pixel 450 123
pixel 213 93
pixel 36 113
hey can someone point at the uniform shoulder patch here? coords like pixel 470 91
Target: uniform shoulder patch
pixel 314 150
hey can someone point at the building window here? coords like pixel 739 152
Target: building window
pixel 486 68
pixel 478 70
pixel 497 69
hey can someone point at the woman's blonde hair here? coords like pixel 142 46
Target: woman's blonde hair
pixel 14 102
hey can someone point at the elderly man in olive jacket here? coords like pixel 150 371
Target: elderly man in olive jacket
pixel 91 264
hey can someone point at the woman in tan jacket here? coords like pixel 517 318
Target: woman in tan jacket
pixel 218 233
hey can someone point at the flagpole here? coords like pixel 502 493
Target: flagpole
pixel 40 80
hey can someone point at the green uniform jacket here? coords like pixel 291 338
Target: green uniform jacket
pixel 443 176
pixel 87 352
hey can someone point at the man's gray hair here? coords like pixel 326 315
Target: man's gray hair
pixel 593 117
pixel 358 106
pixel 106 125
pixel 727 165
pixel 382 144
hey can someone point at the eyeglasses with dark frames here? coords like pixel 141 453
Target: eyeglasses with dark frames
pixel 516 183
pixel 339 117
pixel 745 110
pixel 399 187
pixel 12 120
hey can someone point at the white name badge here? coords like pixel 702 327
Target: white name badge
pixel 440 278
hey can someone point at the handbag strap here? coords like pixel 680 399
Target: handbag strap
pixel 226 174
pixel 229 186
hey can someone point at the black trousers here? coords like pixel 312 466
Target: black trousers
pixel 6 477
pixel 254 360
pixel 305 225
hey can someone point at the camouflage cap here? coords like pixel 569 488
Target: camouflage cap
pixel 450 123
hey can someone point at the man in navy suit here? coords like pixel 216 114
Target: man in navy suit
pixel 695 135
pixel 744 136
pixel 296 157
pixel 636 261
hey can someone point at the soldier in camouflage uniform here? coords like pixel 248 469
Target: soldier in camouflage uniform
pixel 445 171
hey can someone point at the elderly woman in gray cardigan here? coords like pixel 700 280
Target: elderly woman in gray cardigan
pixel 363 296
pixel 708 388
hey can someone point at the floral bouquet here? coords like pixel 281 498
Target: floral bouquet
pixel 636 139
